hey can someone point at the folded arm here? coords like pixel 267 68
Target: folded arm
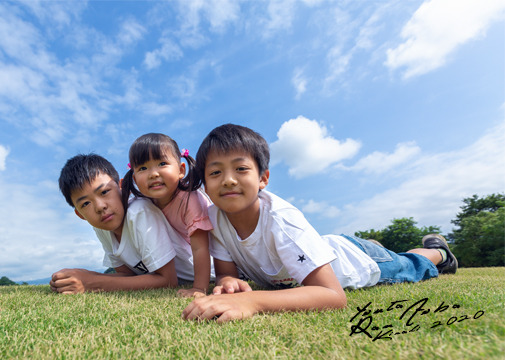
pixel 321 291
pixel 73 281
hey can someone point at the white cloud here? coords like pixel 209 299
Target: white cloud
pixel 438 184
pixel 131 32
pixel 299 82
pixel 218 13
pixel 305 146
pixel 59 100
pixel 351 35
pixel 3 156
pixel 437 28
pixel 280 16
pixel 321 208
pixel 59 13
pixel 379 162
pixel 37 239
pixel 168 51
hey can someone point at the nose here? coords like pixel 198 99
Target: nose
pixel 229 180
pixel 153 173
pixel 100 206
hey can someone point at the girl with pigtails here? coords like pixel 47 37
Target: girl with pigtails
pixel 160 175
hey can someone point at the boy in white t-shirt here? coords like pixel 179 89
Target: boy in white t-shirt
pixel 138 241
pixel 269 241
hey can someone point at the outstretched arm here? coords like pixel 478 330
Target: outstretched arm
pixel 321 291
pixel 73 281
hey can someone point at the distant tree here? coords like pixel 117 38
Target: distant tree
pixel 480 234
pixel 401 235
pixel 474 205
pixel 370 234
pixel 5 281
pixel 110 271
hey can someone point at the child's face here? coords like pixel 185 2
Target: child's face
pixel 158 179
pixel 232 181
pixel 99 203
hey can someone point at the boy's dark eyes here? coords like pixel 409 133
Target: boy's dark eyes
pixel 212 173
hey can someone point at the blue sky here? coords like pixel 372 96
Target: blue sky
pixel 374 110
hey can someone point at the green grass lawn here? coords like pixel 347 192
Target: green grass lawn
pixel 453 317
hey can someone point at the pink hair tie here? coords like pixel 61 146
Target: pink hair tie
pixel 129 166
pixel 185 153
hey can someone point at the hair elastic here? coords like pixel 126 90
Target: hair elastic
pixel 184 152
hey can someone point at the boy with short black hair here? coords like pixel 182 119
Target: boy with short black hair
pixel 136 237
pixel 271 242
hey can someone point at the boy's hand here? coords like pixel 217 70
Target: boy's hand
pixel 231 285
pixel 223 308
pixel 193 292
pixel 68 281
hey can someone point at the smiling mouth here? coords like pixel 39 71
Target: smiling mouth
pixel 156 185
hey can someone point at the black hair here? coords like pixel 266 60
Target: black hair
pixel 155 146
pixel 231 137
pixel 81 170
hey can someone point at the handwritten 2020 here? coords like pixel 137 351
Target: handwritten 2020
pixel 408 313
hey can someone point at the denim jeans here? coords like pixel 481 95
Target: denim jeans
pixel 396 268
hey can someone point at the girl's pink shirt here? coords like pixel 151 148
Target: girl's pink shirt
pixel 196 217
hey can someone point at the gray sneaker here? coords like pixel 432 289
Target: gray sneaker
pixel 436 241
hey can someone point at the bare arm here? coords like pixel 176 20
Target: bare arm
pixel 73 281
pixel 321 291
pixel 201 263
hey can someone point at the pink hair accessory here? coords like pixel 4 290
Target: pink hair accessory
pixel 129 166
pixel 184 152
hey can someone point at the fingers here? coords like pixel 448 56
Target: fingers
pixel 244 286
pixel 65 284
pixel 222 308
pixel 193 292
pixel 200 309
pixel 218 290
pixel 231 287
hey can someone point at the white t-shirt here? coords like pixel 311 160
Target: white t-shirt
pixel 148 242
pixel 284 248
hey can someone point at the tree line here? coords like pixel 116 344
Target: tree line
pixel 477 241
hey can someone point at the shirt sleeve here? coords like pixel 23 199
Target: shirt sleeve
pixel 299 246
pixel 197 216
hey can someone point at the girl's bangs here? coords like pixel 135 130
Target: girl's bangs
pixel 152 148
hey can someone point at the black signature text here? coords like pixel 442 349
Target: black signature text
pixel 410 313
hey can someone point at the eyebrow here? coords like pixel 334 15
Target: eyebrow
pixel 217 162
pixel 85 196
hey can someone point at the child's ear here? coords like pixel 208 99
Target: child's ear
pixel 79 214
pixel 182 170
pixel 264 179
pixel 121 183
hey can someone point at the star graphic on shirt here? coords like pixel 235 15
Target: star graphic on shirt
pixel 301 258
